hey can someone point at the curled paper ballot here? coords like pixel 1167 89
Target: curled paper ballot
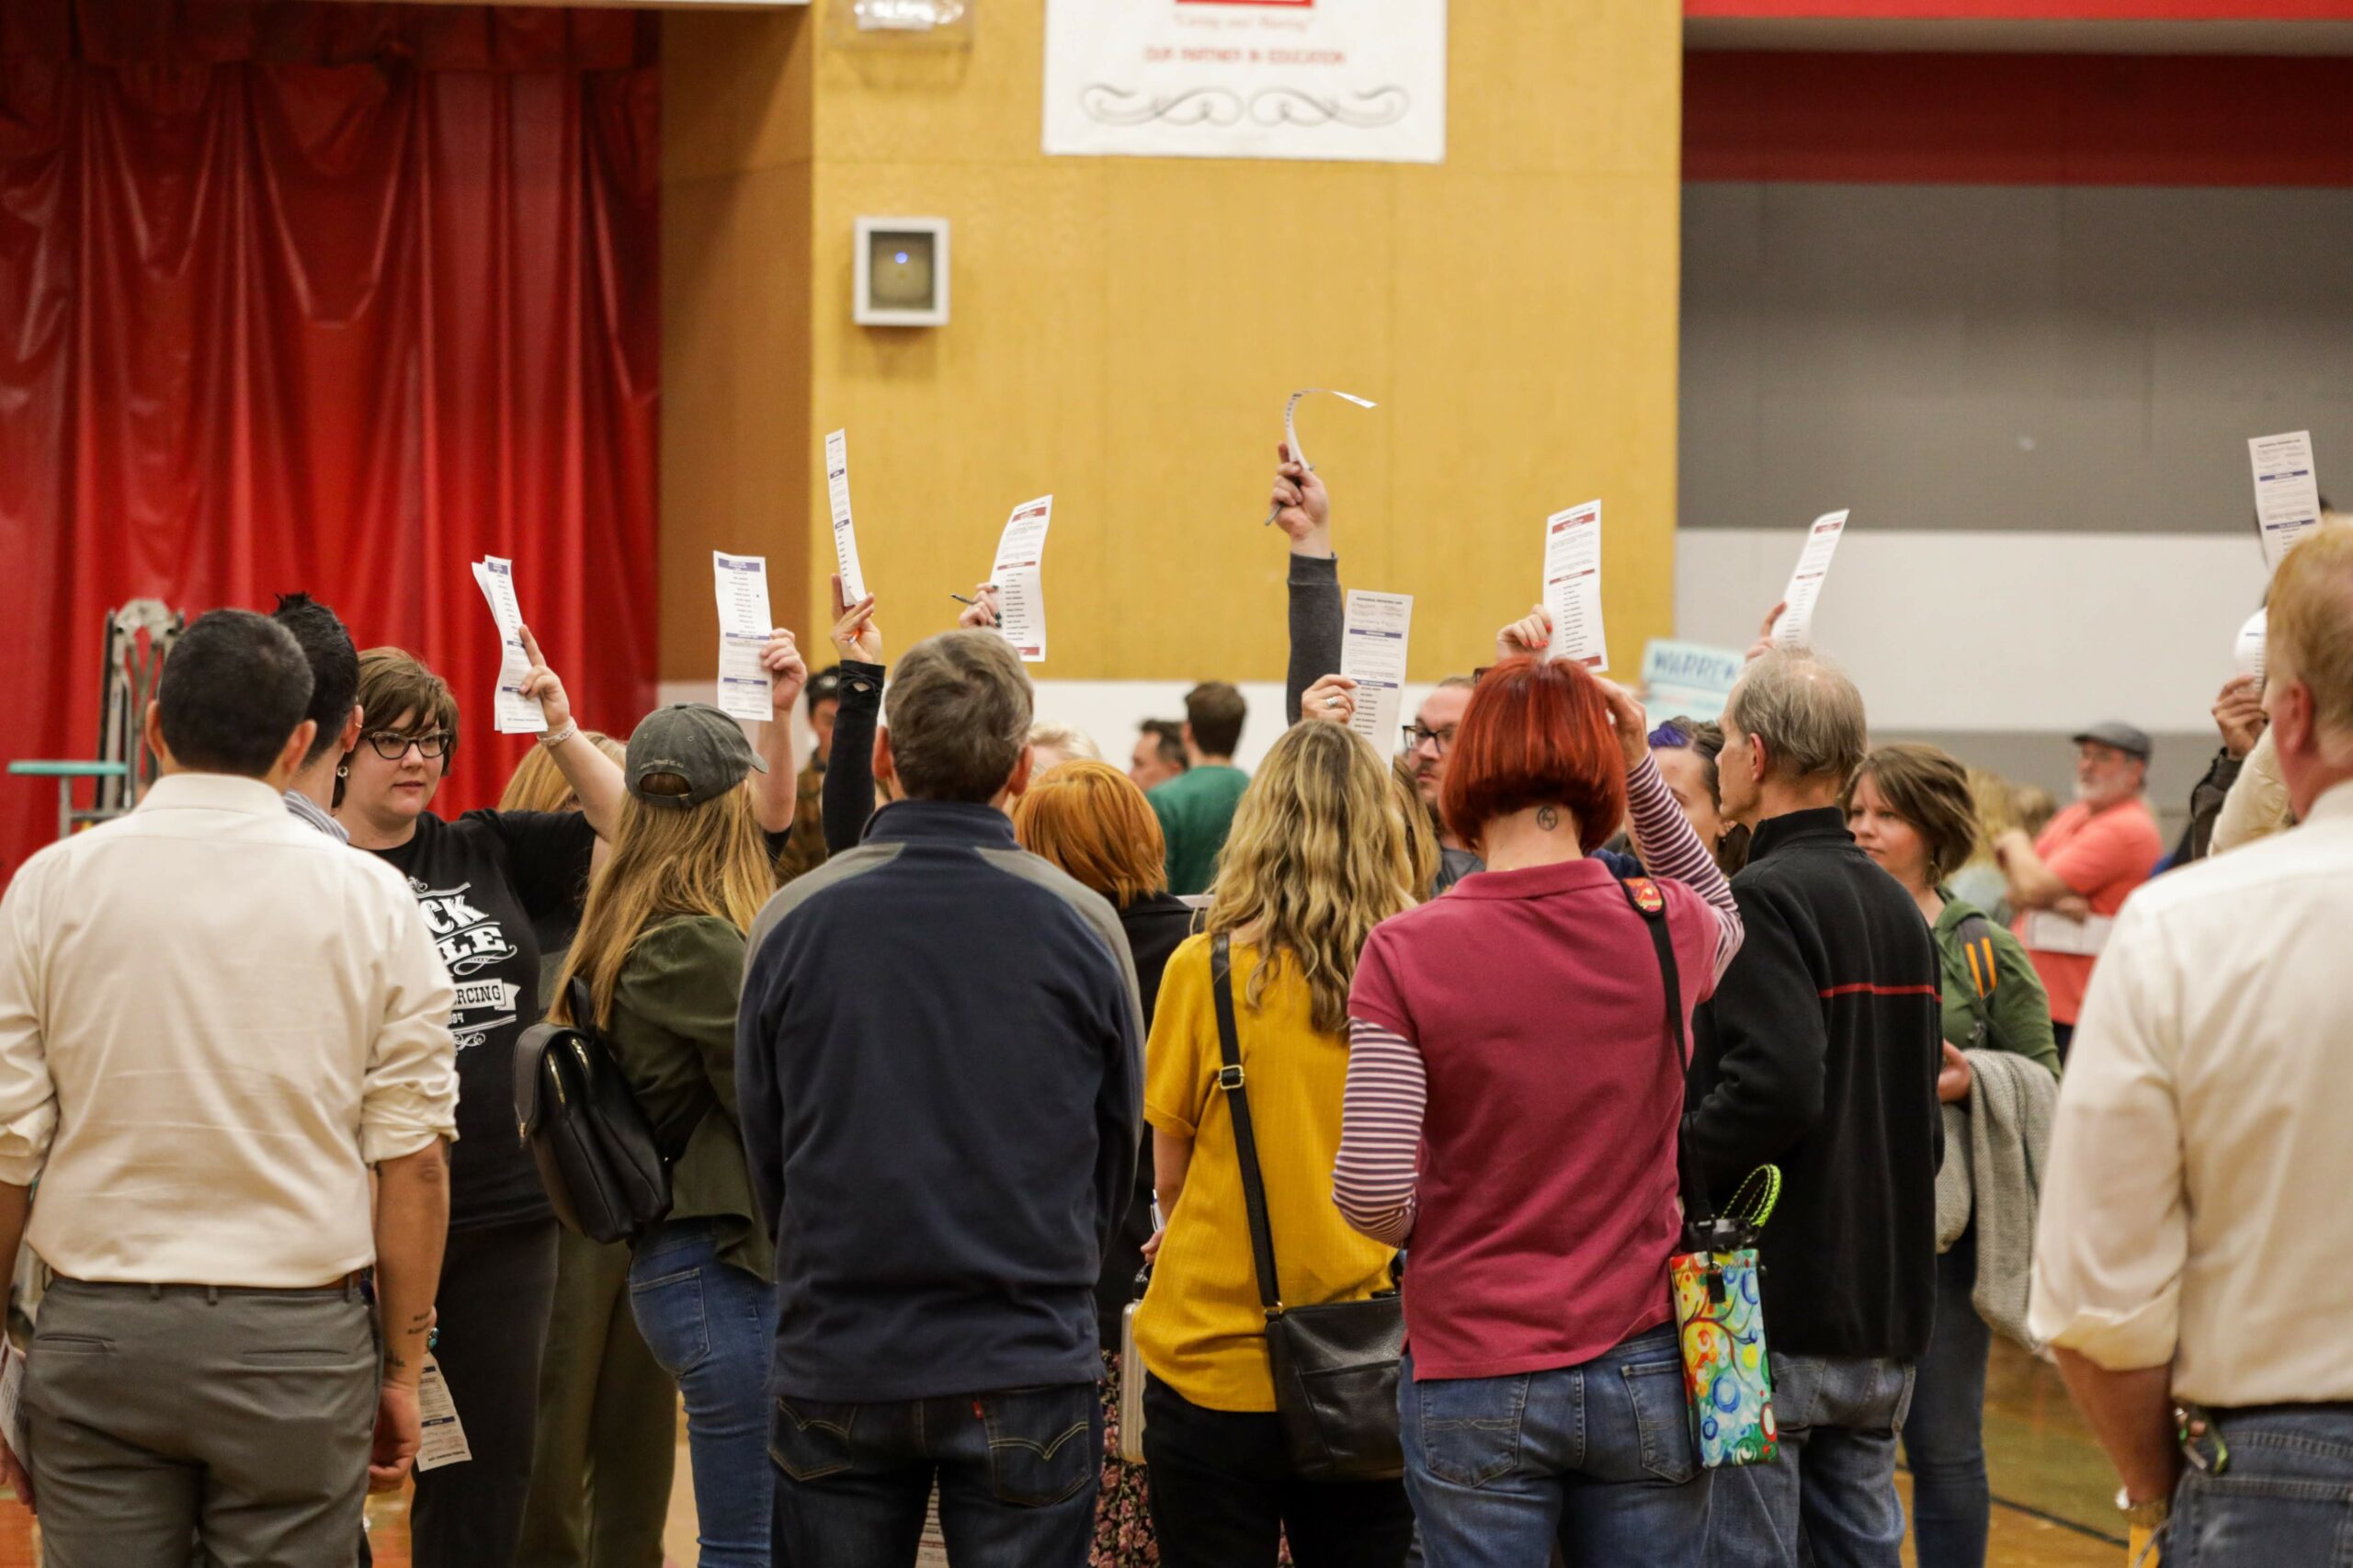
pixel 445 1435
pixel 513 713
pixel 1020 579
pixel 747 690
pixel 844 535
pixel 2287 491
pixel 1573 586
pixel 1795 628
pixel 1290 427
pixel 1372 654
pixel 2247 653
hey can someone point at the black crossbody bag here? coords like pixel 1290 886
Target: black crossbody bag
pixel 1336 1364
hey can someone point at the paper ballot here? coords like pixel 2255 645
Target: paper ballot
pixel 1372 654
pixel 445 1435
pixel 514 713
pixel 13 1424
pixel 2287 491
pixel 2248 651
pixel 1573 586
pixel 1291 424
pixel 844 536
pixel 1795 628
pixel 1019 578
pixel 2046 932
pixel 747 690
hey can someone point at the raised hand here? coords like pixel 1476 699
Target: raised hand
pixel 855 633
pixel 543 685
pixel 1332 700
pixel 1764 643
pixel 788 670
pixel 982 611
pixel 1629 722
pixel 2239 715
pixel 1527 637
pixel 1302 506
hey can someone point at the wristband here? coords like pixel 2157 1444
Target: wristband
pixel 557 737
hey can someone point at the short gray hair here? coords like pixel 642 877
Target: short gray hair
pixel 958 707
pixel 1809 712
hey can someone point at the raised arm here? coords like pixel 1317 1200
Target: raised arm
pixel 1303 509
pixel 848 791
pixel 595 778
pixel 773 792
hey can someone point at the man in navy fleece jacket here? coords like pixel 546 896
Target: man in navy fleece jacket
pixel 939 1058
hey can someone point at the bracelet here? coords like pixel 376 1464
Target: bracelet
pixel 557 737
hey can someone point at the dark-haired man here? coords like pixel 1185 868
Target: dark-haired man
pixel 1196 808
pixel 1159 755
pixel 213 1021
pixel 940 1064
pixel 335 708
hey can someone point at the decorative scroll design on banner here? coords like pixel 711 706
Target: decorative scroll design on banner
pixel 1198 105
pixel 1290 105
pixel 1378 107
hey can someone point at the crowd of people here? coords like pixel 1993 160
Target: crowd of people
pixel 1009 1098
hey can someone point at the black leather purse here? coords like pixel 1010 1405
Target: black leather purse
pixel 1336 1364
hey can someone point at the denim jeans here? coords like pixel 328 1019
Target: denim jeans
pixel 1016 1469
pixel 1943 1438
pixel 1598 1457
pixel 712 1326
pixel 1828 1498
pixel 2287 1496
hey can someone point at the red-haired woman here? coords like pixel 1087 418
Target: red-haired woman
pixel 1513 1032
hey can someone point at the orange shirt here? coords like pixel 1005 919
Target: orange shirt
pixel 2103 855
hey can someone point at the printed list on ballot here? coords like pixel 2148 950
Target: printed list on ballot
pixel 1573 586
pixel 747 690
pixel 1018 576
pixel 1373 653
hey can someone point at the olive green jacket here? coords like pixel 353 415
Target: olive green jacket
pixel 672 1031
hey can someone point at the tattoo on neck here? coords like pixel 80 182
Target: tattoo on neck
pixel 1548 817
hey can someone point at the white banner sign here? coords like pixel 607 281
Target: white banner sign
pixel 1352 79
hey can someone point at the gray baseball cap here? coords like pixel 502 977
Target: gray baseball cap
pixel 2126 738
pixel 697 742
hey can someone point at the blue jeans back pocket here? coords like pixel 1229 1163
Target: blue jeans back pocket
pixel 669 1313
pixel 1661 1418
pixel 1467 1428
pixel 809 1438
pixel 1042 1445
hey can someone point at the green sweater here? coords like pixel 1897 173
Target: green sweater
pixel 673 1034
pixel 1195 809
pixel 2018 1009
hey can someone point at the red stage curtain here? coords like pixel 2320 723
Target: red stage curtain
pixel 334 298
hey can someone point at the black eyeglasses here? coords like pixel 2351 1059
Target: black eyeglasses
pixel 391 745
pixel 1442 739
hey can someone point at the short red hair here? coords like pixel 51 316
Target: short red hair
pixel 1535 734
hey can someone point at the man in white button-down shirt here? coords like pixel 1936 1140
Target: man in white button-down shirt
pixel 213 1021
pixel 2196 1244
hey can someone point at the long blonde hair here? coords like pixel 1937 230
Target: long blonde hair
pixel 666 862
pixel 1317 859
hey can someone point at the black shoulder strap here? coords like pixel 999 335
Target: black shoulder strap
pixel 1245 1142
pixel 1651 904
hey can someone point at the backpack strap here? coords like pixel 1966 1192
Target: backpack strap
pixel 1976 934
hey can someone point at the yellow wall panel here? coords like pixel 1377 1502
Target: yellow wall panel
pixel 1124 332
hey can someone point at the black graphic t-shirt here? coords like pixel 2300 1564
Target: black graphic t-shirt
pixel 483 881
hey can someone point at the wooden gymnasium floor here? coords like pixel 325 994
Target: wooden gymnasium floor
pixel 2053 1490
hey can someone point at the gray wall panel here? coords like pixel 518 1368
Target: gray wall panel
pixel 1956 356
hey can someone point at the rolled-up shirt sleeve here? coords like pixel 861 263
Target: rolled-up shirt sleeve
pixel 28 1096
pixel 409 1096
pixel 2114 1229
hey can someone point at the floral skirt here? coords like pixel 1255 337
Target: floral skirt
pixel 1123 1537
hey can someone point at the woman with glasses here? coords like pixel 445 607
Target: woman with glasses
pixel 483 880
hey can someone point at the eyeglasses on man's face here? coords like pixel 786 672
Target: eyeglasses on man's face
pixel 1418 733
pixel 392 745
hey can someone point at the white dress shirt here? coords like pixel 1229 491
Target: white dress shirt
pixel 212 1020
pixel 2196 1206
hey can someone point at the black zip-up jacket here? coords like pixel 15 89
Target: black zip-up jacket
pixel 1819 1054
pixel 939 1061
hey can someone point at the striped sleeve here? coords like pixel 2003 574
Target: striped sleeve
pixel 1667 847
pixel 1380 1134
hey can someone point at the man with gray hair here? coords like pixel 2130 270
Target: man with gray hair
pixel 939 1062
pixel 1819 1054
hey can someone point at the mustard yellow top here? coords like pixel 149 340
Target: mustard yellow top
pixel 1202 1329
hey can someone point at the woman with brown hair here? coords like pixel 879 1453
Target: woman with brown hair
pixel 485 880
pixel 1317 859
pixel 1090 818
pixel 1911 810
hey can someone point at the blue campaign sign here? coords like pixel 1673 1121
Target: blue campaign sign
pixel 1688 677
